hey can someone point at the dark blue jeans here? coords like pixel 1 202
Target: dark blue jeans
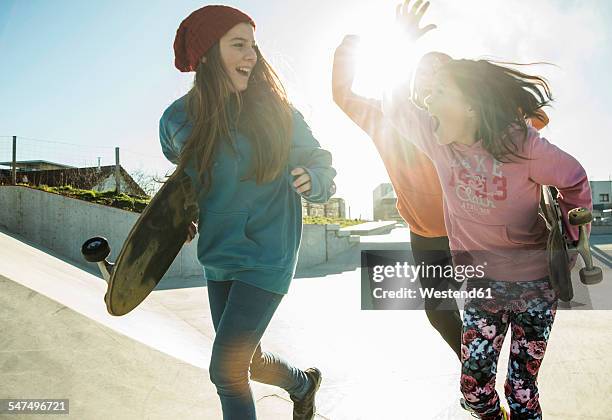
pixel 241 313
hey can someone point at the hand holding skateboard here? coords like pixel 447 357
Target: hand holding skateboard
pixel 191 232
pixel 560 251
pixel 150 248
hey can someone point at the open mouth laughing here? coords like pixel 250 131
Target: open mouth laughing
pixel 244 71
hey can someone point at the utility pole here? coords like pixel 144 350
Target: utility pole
pixel 117 172
pixel 14 165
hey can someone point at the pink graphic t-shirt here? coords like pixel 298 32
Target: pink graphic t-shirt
pixel 491 207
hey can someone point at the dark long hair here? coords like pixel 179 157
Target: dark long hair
pixel 262 113
pixel 503 99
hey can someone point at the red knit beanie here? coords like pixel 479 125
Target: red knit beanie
pixel 200 30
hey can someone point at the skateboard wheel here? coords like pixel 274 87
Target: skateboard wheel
pixel 580 216
pixel 593 276
pixel 95 249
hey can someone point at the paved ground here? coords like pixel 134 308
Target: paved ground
pixel 57 341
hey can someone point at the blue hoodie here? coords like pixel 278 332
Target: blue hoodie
pixel 250 232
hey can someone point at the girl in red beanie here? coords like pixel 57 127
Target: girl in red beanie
pixel 251 158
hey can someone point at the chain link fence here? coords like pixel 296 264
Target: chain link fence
pixel 86 165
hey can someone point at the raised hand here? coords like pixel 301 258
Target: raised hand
pixel 348 47
pixel 409 18
pixel 343 70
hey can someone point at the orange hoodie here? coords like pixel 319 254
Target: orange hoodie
pixel 413 176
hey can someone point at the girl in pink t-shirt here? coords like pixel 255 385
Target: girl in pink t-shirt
pixel 492 165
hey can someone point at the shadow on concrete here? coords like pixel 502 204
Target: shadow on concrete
pixel 83 265
pixel 91 268
pixel 350 260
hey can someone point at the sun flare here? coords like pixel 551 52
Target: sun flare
pixel 385 59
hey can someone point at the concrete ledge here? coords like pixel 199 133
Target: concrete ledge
pixel 62 224
pixel 370 228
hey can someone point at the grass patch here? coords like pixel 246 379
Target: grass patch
pixel 122 201
pixel 318 220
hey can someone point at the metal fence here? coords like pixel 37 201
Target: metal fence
pixel 21 154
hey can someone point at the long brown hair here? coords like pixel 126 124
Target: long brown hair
pixel 262 113
pixel 503 99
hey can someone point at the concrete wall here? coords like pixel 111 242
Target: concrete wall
pixel 62 224
pixel 312 248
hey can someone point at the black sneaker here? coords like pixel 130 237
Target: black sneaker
pixel 305 409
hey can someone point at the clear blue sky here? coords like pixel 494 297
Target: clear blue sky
pixel 99 73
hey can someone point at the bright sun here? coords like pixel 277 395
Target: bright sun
pixel 385 59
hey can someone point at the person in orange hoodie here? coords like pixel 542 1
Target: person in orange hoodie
pixel 413 176
pixel 414 179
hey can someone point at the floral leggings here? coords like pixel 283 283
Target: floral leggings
pixel 529 308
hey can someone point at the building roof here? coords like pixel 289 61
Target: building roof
pixel 24 164
pixel 83 178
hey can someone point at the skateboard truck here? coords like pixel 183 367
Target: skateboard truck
pixel 589 274
pixel 96 250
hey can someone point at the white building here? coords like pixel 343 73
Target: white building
pixel 601 192
pixel 385 203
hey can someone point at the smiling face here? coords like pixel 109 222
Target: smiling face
pixel 455 119
pixel 238 55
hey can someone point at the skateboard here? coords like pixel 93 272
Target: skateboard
pixel 150 248
pixel 561 251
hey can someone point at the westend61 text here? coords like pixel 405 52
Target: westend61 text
pixel 428 293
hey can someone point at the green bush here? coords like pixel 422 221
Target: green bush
pixel 88 195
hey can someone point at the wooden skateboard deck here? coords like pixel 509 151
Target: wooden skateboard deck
pixel 152 244
pixel 557 245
